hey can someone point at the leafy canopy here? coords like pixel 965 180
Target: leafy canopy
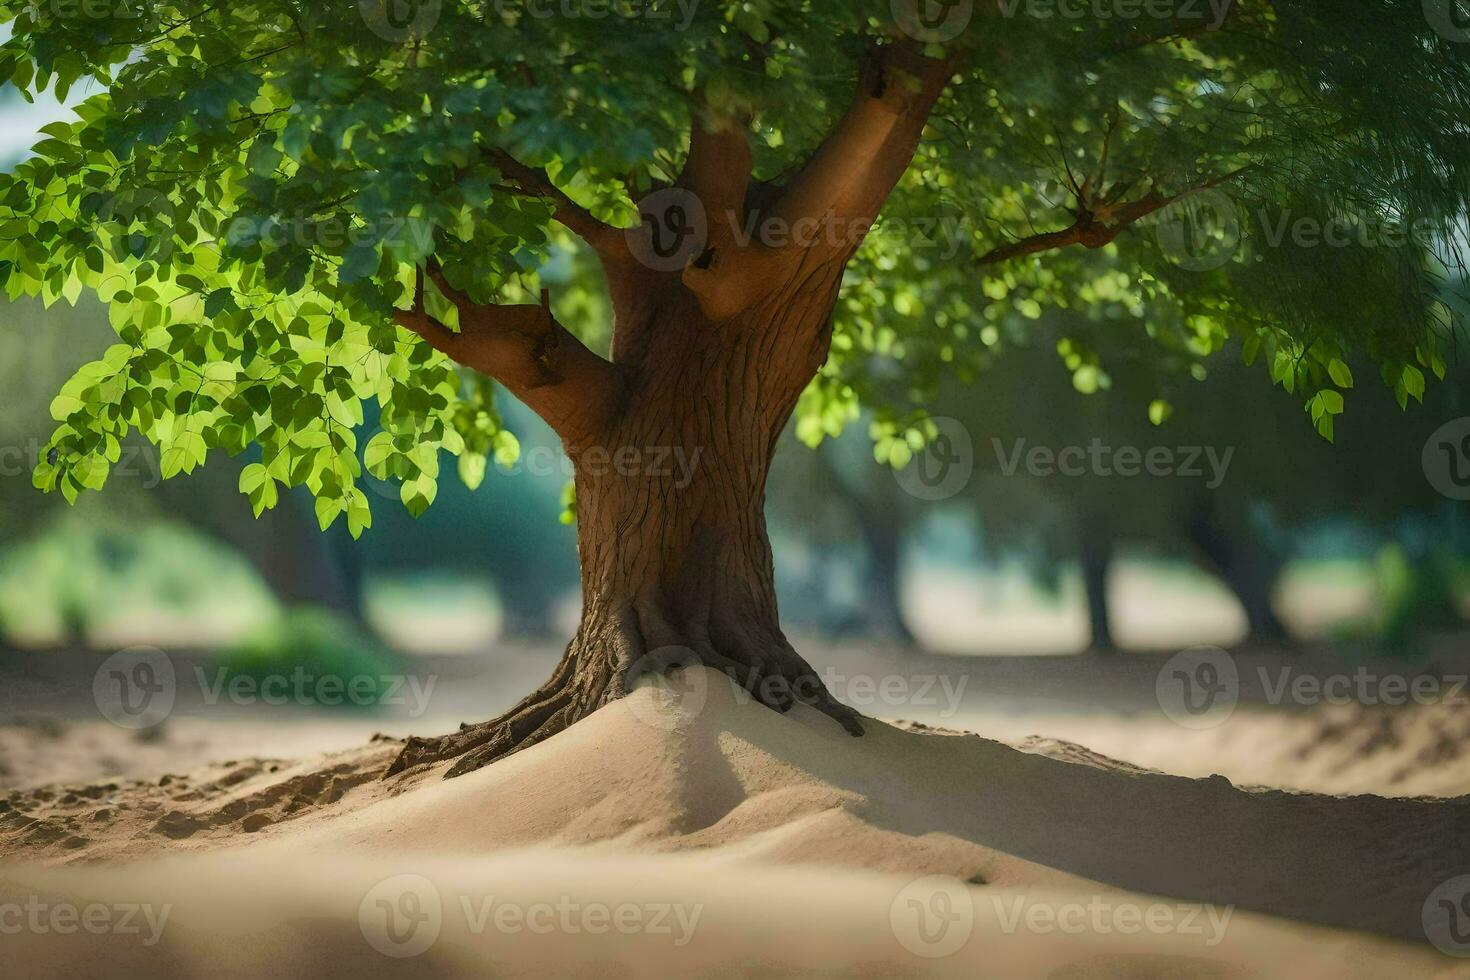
pixel 255 185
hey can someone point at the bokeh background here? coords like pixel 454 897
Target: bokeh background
pixel 1023 601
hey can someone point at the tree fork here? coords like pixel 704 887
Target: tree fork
pixel 709 361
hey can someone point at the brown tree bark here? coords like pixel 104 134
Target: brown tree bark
pixel 676 563
pixel 706 360
pixel 672 438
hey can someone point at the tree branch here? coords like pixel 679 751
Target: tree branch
pixel 718 169
pixel 851 174
pixel 1096 228
pixel 718 174
pixel 523 347
pixel 826 210
pixel 604 239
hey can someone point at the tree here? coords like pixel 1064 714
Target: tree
pixel 292 207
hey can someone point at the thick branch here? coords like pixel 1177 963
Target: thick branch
pixel 718 169
pixel 827 209
pixel 604 239
pixel 1096 228
pixel 524 348
pixel 851 174
pixel 718 174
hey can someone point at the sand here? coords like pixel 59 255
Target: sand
pixel 692 832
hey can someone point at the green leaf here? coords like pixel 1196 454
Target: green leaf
pixel 378 453
pixel 440 307
pixel 359 513
pixel 472 469
pixel 418 494
pixel 252 477
pixel 265 498
pixel 327 509
pixel 1414 382
pixel 1324 427
pixel 1341 374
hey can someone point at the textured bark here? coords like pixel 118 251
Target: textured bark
pixel 672 438
pixel 676 563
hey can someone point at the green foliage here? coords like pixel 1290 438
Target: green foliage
pixel 330 657
pixel 81 573
pixel 254 188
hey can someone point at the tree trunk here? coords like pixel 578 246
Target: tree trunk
pixel 675 562
pixel 1249 566
pixel 880 526
pixel 885 580
pixel 672 438
pixel 1096 559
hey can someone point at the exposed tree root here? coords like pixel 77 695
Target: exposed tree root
pixel 602 665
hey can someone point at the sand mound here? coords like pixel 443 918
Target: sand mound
pixel 744 805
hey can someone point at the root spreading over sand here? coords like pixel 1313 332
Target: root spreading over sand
pixel 763 844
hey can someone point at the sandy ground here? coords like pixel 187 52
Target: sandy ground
pixel 688 831
pixel 51 731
